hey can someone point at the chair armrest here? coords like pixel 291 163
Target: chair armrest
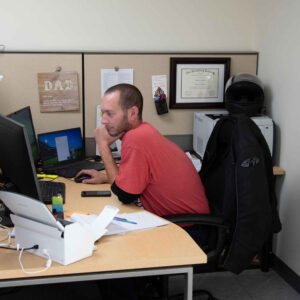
pixel 222 229
pixel 197 219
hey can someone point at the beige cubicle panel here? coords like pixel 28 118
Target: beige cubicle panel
pixel 176 121
pixel 19 87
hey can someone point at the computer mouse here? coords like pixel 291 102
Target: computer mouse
pixel 82 177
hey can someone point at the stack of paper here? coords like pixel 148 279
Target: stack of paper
pixel 122 223
pixel 98 226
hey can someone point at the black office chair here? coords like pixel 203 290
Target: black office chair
pixel 218 237
pixel 237 174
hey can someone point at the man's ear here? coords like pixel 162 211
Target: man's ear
pixel 133 113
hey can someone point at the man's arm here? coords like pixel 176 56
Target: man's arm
pixel 111 167
pixel 123 196
pixel 104 140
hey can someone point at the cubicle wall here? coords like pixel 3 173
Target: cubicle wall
pixel 177 121
pixel 19 86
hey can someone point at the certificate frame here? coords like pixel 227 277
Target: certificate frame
pixel 198 82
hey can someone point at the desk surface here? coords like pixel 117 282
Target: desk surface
pixel 278 171
pixel 164 246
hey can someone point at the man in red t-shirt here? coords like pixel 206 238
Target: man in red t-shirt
pixel 152 168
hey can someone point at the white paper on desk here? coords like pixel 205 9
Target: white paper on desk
pixel 96 224
pixel 144 220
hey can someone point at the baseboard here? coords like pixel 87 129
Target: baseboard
pixel 286 273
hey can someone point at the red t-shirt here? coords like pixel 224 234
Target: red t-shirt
pixel 158 170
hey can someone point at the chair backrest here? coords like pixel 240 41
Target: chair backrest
pixel 237 175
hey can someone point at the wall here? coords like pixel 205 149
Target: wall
pixel 278 42
pixel 111 25
pixel 19 87
pixel 176 121
pixel 135 25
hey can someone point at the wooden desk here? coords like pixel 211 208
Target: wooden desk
pixel 278 171
pixel 159 251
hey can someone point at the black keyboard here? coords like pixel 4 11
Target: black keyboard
pixel 70 170
pixel 50 189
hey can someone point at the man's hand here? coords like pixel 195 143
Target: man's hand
pixel 96 177
pixel 103 138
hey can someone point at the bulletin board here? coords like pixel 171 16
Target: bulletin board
pixel 176 121
pixel 19 86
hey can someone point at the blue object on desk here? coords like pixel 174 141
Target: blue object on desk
pixel 124 220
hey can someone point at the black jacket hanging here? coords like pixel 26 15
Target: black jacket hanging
pixel 237 173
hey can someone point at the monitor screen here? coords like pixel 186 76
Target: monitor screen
pixel 16 160
pixel 24 117
pixel 61 146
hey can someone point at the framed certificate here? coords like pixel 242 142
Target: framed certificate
pixel 198 82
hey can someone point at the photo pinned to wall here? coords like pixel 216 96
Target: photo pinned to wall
pixel 198 82
pixel 159 93
pixel 58 91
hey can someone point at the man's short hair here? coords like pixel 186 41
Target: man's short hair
pixel 129 96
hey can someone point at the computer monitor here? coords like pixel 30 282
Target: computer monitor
pixel 24 117
pixel 16 161
pixel 58 147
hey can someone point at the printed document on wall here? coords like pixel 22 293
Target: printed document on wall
pixel 111 77
pixel 159 85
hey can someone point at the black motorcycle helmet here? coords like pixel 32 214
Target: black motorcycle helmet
pixel 244 93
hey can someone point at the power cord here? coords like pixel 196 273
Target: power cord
pixel 7 247
pixel 8 236
pixel 48 263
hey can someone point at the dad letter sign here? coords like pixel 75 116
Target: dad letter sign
pixel 58 91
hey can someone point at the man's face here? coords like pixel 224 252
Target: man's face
pixel 113 117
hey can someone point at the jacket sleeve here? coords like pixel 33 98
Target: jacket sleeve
pixel 123 196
